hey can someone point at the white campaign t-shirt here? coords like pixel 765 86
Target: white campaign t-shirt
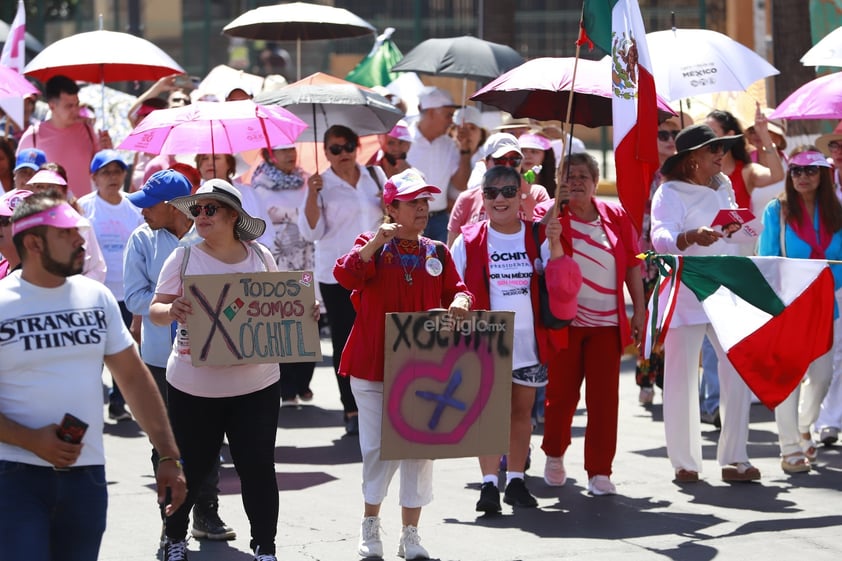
pixel 52 344
pixel 212 381
pixel 112 224
pixel 510 275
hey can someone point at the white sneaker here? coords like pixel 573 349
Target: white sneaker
pixel 554 473
pixel 601 485
pixel 410 546
pixel 370 544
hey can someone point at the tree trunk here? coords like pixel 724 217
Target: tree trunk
pixel 791 39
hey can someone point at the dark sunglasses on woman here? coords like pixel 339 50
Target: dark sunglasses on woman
pixel 664 136
pixel 337 149
pixel 509 192
pixel 513 161
pixel 196 210
pixel 810 171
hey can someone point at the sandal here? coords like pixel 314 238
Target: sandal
pixel 740 471
pixel 808 447
pixel 797 462
pixel 686 476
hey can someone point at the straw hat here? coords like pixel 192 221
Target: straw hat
pixel 248 227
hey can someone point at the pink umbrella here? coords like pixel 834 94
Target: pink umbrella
pixel 209 127
pixel 817 99
pixel 13 88
pixel 540 89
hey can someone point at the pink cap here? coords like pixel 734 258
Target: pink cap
pixel 59 216
pixel 809 158
pixel 86 113
pixel 10 200
pixel 564 279
pixel 47 176
pixel 408 185
pixel 535 141
pixel 401 131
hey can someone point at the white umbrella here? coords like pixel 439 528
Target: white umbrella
pixel 827 52
pixel 298 21
pixel 688 62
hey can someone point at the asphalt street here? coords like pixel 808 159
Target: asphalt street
pixel 652 518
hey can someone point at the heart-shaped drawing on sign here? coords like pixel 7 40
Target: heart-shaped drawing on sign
pixel 441 373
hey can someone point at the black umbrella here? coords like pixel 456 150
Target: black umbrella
pixel 460 57
pixel 298 21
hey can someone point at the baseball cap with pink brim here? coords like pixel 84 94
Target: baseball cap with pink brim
pixel 59 216
pixel 408 185
pixel 809 158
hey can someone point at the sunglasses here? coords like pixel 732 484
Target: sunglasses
pixel 716 148
pixel 509 192
pixel 810 171
pixel 513 161
pixel 834 145
pixel 664 136
pixel 210 210
pixel 337 149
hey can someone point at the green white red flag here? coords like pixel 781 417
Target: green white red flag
pixel 773 316
pixel 616 26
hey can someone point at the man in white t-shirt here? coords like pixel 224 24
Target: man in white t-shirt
pixel 437 156
pixel 113 219
pixel 58 328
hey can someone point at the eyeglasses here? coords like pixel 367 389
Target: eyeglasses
pixel 834 145
pixel 337 149
pixel 509 192
pixel 5 221
pixel 664 136
pixel 810 171
pixel 513 161
pixel 210 210
pixel 716 148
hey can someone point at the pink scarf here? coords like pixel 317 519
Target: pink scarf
pixel 805 230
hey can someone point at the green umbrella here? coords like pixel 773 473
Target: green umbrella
pixel 375 68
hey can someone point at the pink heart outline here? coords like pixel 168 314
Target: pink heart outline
pixel 441 373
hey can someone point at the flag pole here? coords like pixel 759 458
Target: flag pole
pixel 567 137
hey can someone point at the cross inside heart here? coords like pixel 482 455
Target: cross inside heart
pixel 433 379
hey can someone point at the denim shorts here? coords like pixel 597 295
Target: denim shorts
pixel 534 376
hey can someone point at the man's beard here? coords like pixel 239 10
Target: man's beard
pixel 62 269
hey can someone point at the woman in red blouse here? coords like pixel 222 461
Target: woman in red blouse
pixel 395 269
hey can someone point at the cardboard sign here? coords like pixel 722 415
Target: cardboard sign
pixel 738 225
pixel 252 318
pixel 447 385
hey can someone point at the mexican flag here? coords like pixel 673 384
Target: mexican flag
pixel 616 26
pixel 773 316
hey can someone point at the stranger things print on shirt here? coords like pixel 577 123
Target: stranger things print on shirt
pixel 55 329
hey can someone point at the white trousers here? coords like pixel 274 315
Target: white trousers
pixel 416 479
pixel 799 411
pixel 831 410
pixel 681 401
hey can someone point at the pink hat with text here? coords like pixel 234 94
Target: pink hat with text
pixel 408 185
pixel 10 200
pixel 809 158
pixel 59 216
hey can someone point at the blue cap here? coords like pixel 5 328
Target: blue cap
pixel 31 158
pixel 105 157
pixel 162 186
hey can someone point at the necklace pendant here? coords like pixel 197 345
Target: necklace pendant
pixel 408 277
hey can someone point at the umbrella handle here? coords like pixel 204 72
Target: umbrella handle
pixel 315 141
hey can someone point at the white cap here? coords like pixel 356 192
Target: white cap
pixel 499 144
pixel 432 97
pixel 467 114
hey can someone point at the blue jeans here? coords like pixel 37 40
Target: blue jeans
pixel 437 226
pixel 709 388
pixel 48 515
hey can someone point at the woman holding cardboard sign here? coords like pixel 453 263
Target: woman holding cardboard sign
pixel 206 403
pixel 804 222
pixel 395 269
pixel 501 261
